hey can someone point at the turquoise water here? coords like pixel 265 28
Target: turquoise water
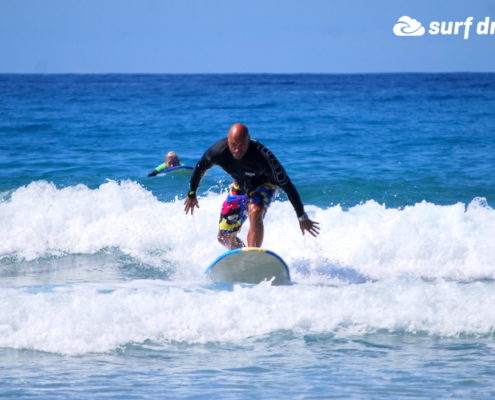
pixel 101 273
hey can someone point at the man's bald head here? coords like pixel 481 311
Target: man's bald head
pixel 238 140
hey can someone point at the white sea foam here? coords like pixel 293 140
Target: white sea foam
pixel 368 241
pixel 84 318
pixel 426 268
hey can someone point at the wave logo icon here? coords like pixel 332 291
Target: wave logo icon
pixel 408 26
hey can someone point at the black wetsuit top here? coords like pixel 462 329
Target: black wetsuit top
pixel 258 166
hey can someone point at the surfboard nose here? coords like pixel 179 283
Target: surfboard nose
pixel 249 265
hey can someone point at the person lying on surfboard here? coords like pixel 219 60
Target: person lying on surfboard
pixel 257 175
pixel 171 160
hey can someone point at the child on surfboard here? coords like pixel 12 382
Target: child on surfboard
pixel 171 160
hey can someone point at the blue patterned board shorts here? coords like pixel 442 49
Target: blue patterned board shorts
pixel 235 207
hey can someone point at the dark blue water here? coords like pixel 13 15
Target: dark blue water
pixel 102 291
pixel 395 138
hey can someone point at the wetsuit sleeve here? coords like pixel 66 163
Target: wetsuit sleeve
pixel 161 168
pixel 157 170
pixel 203 165
pixel 277 173
pixel 294 197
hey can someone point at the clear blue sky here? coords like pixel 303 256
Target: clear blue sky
pixel 238 36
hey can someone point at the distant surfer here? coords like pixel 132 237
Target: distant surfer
pixel 257 175
pixel 171 160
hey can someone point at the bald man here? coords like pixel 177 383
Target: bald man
pixel 257 175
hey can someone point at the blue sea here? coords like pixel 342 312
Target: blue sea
pixel 102 287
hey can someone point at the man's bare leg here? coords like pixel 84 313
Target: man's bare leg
pixel 256 229
pixel 230 240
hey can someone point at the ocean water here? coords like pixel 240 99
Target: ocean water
pixel 102 285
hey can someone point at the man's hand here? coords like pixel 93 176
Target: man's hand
pixel 310 226
pixel 190 203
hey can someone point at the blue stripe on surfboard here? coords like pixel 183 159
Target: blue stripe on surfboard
pixel 228 253
pixel 175 169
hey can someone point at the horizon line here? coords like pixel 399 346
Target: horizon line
pixel 245 73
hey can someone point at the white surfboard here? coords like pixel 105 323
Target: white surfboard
pixel 179 170
pixel 249 265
